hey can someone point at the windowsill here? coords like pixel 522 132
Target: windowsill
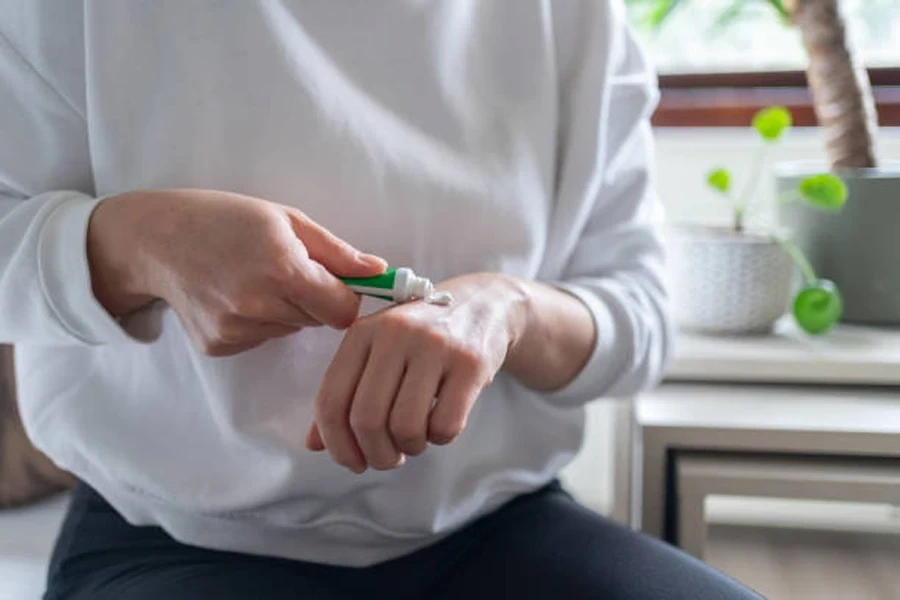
pixel 731 99
pixel 731 107
pixel 742 136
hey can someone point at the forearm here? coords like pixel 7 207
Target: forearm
pixel 554 340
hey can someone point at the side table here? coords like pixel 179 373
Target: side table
pixel 815 410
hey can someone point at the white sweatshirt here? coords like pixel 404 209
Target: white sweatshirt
pixel 449 136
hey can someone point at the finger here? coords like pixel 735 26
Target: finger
pixel 277 330
pixel 324 297
pixel 372 406
pixel 408 422
pixel 314 439
pixel 239 331
pixel 455 399
pixel 336 255
pixel 334 400
pixel 224 349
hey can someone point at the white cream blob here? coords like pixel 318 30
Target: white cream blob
pixel 440 298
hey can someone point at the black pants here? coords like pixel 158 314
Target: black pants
pixel 542 545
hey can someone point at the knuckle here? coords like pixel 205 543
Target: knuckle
pixel 444 432
pixel 414 447
pixel 282 269
pixel 430 341
pixel 408 437
pixel 434 338
pixel 328 410
pixel 396 324
pixel 361 328
pixel 469 360
pixel 288 267
pixel 343 312
pixel 347 316
pixel 386 463
pixel 356 335
pixel 366 422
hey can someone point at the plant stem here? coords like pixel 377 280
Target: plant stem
pixel 809 274
pixel 840 86
pixel 786 197
pixel 753 179
pixel 739 213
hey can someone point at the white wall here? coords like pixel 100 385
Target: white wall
pixel 590 476
pixel 685 155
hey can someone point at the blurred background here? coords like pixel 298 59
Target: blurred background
pixel 769 452
pixel 719 64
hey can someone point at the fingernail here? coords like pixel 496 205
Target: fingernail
pixel 371 259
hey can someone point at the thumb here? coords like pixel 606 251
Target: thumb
pixel 333 253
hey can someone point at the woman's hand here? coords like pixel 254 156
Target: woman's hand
pixel 410 374
pixel 237 270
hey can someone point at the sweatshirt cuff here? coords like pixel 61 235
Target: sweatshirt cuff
pixel 66 278
pixel 602 364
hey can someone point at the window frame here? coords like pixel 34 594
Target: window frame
pixel 731 99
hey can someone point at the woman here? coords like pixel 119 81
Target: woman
pixel 184 183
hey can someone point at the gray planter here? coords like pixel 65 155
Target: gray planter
pixel 858 248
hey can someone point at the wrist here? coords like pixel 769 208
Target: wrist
pixel 118 277
pixel 519 312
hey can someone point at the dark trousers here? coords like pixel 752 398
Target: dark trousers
pixel 542 545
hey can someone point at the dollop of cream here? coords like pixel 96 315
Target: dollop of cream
pixel 440 298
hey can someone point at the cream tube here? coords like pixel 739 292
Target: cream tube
pixel 398 285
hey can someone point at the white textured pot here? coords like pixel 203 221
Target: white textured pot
pixel 729 283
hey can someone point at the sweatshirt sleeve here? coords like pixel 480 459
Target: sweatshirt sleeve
pixel 45 204
pixel 614 258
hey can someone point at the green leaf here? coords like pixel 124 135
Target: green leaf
pixel 658 13
pixel 826 192
pixel 719 180
pixel 729 15
pixel 771 122
pixel 818 306
pixel 780 7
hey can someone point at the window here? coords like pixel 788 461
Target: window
pixel 715 74
pixel 758 41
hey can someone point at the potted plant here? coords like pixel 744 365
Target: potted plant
pixel 739 279
pixel 858 250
